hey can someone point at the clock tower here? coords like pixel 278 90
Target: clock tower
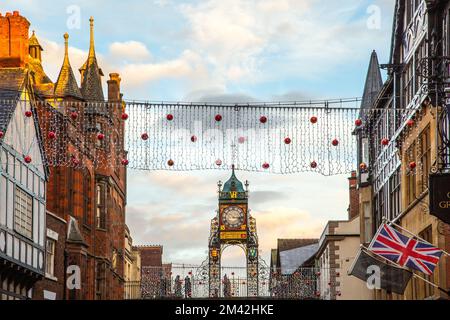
pixel 233 225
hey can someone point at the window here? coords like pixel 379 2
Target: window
pixel 114 259
pixel 23 213
pixel 86 197
pixel 367 222
pixel 425 290
pixel 50 257
pixel 99 127
pixel 411 174
pixel 395 196
pixel 425 158
pixel 101 206
pixel 408 83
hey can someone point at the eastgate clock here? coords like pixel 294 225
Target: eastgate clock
pixel 233 217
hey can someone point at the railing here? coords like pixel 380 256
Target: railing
pixel 186 282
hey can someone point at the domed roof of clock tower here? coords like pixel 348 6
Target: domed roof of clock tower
pixel 233 184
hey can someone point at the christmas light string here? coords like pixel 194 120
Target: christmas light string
pixel 283 137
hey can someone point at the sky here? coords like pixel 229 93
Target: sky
pixel 227 51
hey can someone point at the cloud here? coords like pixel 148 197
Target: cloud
pixel 129 51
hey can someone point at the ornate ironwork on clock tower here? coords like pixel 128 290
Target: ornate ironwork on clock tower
pixel 233 225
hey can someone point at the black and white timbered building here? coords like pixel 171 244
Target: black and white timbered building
pixel 22 188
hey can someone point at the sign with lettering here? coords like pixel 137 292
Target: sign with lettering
pixel 233 235
pixel 440 196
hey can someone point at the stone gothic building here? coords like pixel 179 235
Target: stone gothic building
pixel 85 198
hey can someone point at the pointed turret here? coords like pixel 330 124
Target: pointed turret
pixel 233 184
pixel 42 83
pixel 91 74
pixel 66 85
pixel 35 47
pixel 374 82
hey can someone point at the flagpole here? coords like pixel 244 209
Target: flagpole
pixel 414 235
pixel 412 273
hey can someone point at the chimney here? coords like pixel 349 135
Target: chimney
pixel 114 87
pixel 13 40
pixel 353 208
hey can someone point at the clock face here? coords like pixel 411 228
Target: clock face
pixel 233 217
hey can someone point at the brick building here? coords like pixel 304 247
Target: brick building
pixel 86 195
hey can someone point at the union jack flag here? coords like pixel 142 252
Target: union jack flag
pixel 405 251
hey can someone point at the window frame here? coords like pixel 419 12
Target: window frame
pixel 18 226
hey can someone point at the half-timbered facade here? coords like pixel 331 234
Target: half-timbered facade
pixel 22 188
pixel 402 136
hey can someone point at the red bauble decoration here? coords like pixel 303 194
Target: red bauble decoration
pixel 125 162
pixel 318 274
pixel 263 119
pixel 100 136
pixel 410 123
pixel 335 142
pixel 266 166
pixel 313 164
pixel 1 134
pixel 337 274
pixel 28 114
pixel 75 161
pixel 74 115
pixel 170 163
pixel 124 116
pixel 287 140
pixel 241 140
pixel 144 136
pixel 317 294
pixel 27 159
pixel 194 139
pixel 313 120
pixel 169 117
pixel 218 162
pixel 412 165
pixel 358 122
pixel 51 135
pixel 385 142
pixel 218 117
pixel 329 283
pixel 339 294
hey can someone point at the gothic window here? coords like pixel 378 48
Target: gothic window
pixel 86 197
pixel 101 206
pixel 23 213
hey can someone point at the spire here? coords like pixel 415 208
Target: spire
pixel 233 184
pixel 91 81
pixel 373 84
pixel 91 39
pixel 66 85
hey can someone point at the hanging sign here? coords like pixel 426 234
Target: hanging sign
pixel 440 196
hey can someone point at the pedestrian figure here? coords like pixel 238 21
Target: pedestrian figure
pixel 177 287
pixel 226 287
pixel 187 287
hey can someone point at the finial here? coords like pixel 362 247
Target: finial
pixel 33 33
pixel 66 44
pixel 91 42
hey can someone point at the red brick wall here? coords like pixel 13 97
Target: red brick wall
pixel 151 256
pixel 59 227
pixel 13 40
